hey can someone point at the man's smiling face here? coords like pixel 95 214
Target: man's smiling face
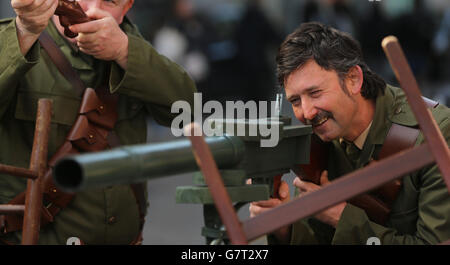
pixel 319 98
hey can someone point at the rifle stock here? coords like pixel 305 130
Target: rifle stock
pixel 70 13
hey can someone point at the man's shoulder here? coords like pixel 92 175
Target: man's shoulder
pixel 130 28
pixel 402 114
pixel 5 22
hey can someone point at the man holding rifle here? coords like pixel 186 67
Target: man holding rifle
pixel 360 119
pixel 131 81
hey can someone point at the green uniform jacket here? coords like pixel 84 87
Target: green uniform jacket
pixel 149 86
pixel 421 212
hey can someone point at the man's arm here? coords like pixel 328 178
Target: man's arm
pixel 433 213
pixel 17 44
pixel 32 18
pixel 13 64
pixel 152 78
pixel 432 224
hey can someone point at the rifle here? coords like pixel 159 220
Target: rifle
pixel 70 13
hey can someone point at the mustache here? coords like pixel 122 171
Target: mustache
pixel 320 115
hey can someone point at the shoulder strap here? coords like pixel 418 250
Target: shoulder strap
pixel 61 62
pixel 399 138
pixel 402 137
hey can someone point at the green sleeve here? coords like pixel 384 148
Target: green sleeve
pixel 152 78
pixel 13 65
pixel 301 232
pixel 433 222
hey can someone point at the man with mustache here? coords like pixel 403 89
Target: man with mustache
pixel 330 87
pixel 108 54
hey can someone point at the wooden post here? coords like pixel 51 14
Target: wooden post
pixel 207 165
pixel 428 125
pixel 38 163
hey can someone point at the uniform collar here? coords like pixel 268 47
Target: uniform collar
pixel 381 120
pixel 379 127
pixel 359 142
pixel 361 139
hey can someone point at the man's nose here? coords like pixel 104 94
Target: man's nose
pixel 309 111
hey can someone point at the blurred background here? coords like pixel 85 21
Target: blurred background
pixel 229 47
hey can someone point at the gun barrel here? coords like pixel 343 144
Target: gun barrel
pixel 131 164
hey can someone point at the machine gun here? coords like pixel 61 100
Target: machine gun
pixel 238 158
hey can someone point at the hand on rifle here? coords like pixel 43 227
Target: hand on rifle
pixel 102 37
pixel 259 207
pixel 32 18
pixel 331 215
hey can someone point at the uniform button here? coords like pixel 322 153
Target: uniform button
pixel 111 220
pixel 398 110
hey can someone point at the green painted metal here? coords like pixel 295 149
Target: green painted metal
pixel 202 195
pixel 229 178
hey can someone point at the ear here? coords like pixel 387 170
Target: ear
pixel 354 79
pixel 127 7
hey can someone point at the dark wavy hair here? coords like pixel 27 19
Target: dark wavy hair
pixel 331 49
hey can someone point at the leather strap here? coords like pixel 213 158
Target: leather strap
pixel 402 137
pixel 97 113
pixel 63 65
pixel 398 138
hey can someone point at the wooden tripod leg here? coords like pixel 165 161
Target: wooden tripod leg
pixel 38 163
pixel 430 129
pixel 11 209
pixel 207 165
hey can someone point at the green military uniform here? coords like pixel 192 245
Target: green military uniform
pixel 149 86
pixel 421 212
